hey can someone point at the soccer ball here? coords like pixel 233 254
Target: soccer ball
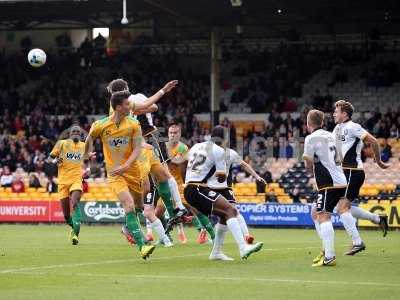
pixel 36 57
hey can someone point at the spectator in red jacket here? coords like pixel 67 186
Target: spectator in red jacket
pixel 18 185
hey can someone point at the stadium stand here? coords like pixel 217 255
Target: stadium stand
pixel 367 76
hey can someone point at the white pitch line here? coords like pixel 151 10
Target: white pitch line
pixel 268 280
pixel 116 261
pixel 104 262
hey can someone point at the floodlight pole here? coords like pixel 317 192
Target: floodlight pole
pixel 215 76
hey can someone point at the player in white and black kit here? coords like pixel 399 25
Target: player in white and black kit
pixel 142 107
pixel 231 158
pixel 204 160
pixel 320 157
pixel 350 137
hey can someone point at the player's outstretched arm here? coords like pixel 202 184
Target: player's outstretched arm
pixel 150 110
pixel 253 173
pixel 145 106
pixel 370 139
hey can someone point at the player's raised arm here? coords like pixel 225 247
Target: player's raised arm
pixel 142 104
pixel 253 173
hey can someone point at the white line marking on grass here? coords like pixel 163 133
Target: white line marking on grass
pixel 268 280
pixel 116 261
pixel 103 262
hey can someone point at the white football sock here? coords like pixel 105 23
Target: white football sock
pixel 363 214
pixel 234 228
pixel 318 228
pixel 243 225
pixel 148 226
pixel 173 186
pixel 220 233
pixel 349 224
pixel 328 239
pixel 159 228
pixel 316 223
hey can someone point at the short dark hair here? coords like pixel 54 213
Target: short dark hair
pixel 218 134
pixel 117 85
pixel 345 106
pixel 118 97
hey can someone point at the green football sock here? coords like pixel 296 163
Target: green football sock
pixel 207 225
pixel 69 221
pixel 196 223
pixel 76 219
pixel 165 194
pixel 134 228
pixel 139 215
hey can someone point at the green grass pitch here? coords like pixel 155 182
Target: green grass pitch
pixel 37 262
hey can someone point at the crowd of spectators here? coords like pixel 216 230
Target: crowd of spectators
pixel 72 85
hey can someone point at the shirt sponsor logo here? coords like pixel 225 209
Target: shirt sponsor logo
pixel 118 142
pixel 73 156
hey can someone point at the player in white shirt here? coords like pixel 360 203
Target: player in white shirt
pixel 349 138
pixel 320 157
pixel 204 160
pixel 231 158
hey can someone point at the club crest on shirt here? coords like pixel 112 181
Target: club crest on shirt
pixel 212 193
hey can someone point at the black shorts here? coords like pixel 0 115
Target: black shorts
pixel 328 199
pixel 200 197
pixel 145 125
pixel 160 147
pixel 152 196
pixel 228 194
pixel 355 180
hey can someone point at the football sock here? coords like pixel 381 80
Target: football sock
pixel 173 186
pixel 234 228
pixel 159 229
pixel 205 222
pixel 328 239
pixel 69 221
pixel 243 225
pixel 220 233
pixel 317 228
pixel 165 194
pixel 134 228
pixel 360 213
pixel 149 227
pixel 349 224
pixel 196 223
pixel 76 219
